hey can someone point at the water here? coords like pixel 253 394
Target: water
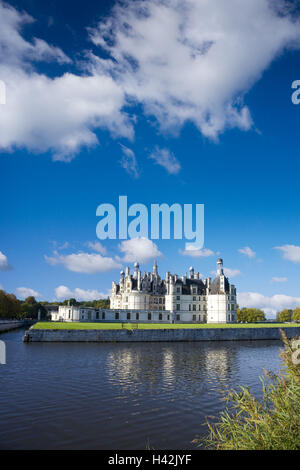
pixel 121 396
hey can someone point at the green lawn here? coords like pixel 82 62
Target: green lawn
pixel 149 326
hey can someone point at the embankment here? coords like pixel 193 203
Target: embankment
pixel 10 325
pixel 157 335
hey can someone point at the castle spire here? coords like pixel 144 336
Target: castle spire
pixel 220 270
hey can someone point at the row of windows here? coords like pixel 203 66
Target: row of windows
pixel 194 307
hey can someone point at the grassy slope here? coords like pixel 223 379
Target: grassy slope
pixel 149 326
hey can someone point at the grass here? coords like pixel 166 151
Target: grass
pixel 272 423
pixel 150 326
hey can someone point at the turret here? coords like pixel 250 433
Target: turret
pixel 191 272
pixel 155 268
pixel 136 270
pixel 220 270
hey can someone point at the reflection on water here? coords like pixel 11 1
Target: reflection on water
pixel 120 396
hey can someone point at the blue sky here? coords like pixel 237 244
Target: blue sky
pixel 81 122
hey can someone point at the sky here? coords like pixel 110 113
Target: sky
pixel 184 102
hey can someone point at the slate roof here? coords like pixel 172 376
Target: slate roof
pixel 215 286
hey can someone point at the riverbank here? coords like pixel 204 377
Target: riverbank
pixel 168 334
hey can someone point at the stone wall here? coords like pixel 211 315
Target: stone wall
pixel 201 334
pixel 10 325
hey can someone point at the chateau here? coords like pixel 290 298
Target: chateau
pixel 149 298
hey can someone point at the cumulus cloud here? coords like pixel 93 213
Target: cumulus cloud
pixel 129 162
pixel 279 279
pixel 4 264
pixel 24 292
pixel 89 263
pixel 63 292
pixel 270 305
pixel 290 252
pixel 186 60
pixel 166 159
pixel 181 61
pixel 138 249
pixel 247 251
pixel 194 252
pixel 59 114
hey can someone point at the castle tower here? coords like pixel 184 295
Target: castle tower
pixel 220 270
pixel 154 272
pixel 136 270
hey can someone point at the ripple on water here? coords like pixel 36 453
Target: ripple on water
pixel 120 396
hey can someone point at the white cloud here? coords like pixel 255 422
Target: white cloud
pixel 247 251
pixel 279 279
pixel 89 263
pixel 4 264
pixel 186 60
pixel 229 272
pixel 63 292
pixel 181 60
pixel 24 292
pixel 290 252
pixel 128 161
pixel 270 305
pixel 97 246
pixel 138 249
pixel 58 114
pixel 166 159
pixel 194 252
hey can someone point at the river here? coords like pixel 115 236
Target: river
pixel 121 396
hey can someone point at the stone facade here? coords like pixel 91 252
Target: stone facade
pixel 186 299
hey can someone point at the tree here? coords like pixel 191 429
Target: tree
pixel 285 315
pixel 10 306
pixel 30 308
pixel 296 314
pixel 250 315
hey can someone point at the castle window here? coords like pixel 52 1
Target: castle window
pixel 178 317
pixel 194 299
pixel 160 316
pixel 149 316
pixel 137 316
pixel 103 315
pixel 178 290
pixel 194 317
pixel 128 316
pixel 190 308
pixel 97 315
pixel 178 297
pixel 178 307
pixel 117 316
pixel 194 291
pixel 194 308
pixel 168 317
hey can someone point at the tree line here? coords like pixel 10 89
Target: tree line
pixel 13 308
pixel 288 315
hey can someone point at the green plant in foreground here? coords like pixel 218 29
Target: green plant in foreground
pixel 273 423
